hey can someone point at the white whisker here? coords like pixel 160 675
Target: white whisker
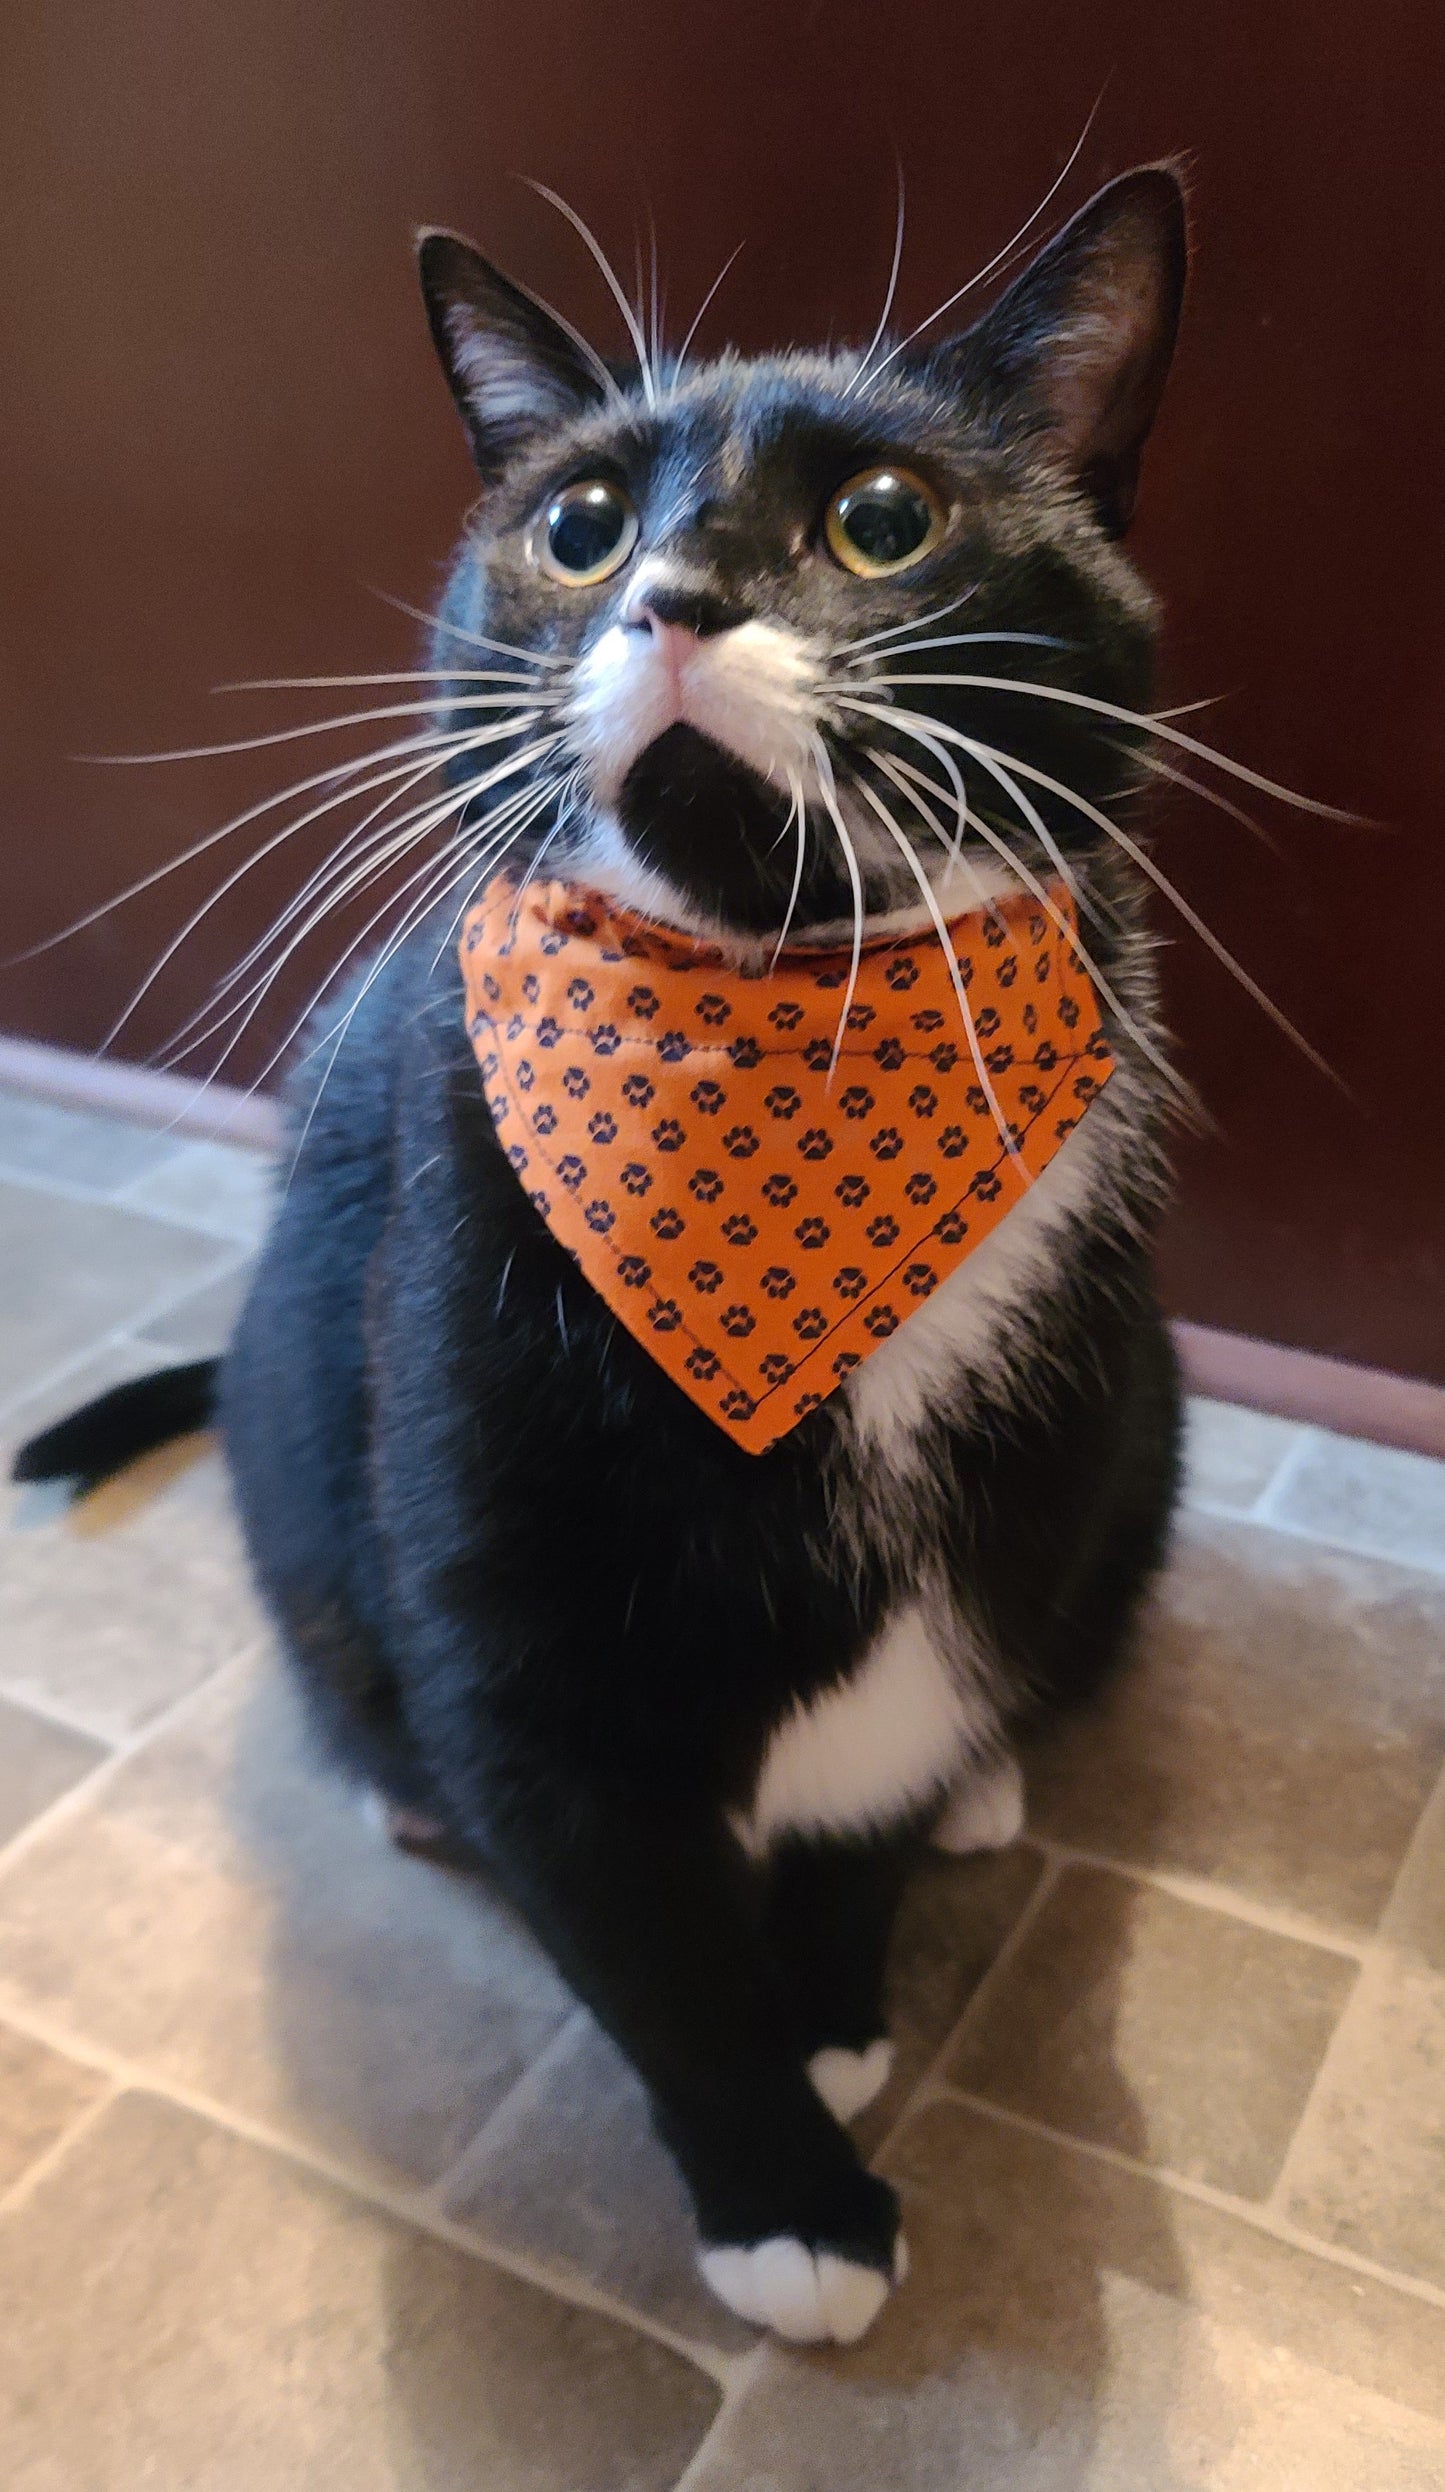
pixel 915 622
pixel 617 289
pixel 477 640
pixel 876 339
pixel 535 702
pixel 402 675
pixel 824 768
pixel 999 257
pixel 940 928
pixel 797 812
pixel 696 321
pixel 1154 724
pixel 959 640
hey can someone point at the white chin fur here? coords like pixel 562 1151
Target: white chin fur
pixel 811 2297
pixel 849 2081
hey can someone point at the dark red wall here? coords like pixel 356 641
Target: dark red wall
pixel 221 432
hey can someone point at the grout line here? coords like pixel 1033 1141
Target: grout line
pixel 1431 1568
pixel 745 2371
pixel 1213 1896
pixel 1260 2218
pixel 531 2080
pixel 45 1709
pixel 34 2174
pixel 73 1802
pixel 1289 1462
pixel 987 1982
pixel 406 2206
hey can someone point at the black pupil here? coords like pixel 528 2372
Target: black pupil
pixel 584 531
pixel 887 520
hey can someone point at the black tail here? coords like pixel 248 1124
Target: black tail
pixel 106 1434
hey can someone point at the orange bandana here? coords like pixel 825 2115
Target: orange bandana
pixel 757 1228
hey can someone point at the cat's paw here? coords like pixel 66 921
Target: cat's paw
pixel 849 2080
pixel 986 1811
pixel 812 2297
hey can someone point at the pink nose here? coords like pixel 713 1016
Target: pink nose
pixel 695 613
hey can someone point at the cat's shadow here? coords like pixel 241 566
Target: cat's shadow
pixel 1048 2307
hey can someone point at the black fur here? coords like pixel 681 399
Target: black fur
pixel 530 1590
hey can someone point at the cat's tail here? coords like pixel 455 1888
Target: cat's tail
pixel 104 1435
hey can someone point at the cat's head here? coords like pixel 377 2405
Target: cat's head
pixel 727 587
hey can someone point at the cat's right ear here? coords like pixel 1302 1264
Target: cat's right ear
pixel 515 368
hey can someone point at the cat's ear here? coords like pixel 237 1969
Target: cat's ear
pixel 1082 341
pixel 515 368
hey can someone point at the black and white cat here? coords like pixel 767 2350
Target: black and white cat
pixel 696 1708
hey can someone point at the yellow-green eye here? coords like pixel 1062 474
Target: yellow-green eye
pixel 584 535
pixel 882 521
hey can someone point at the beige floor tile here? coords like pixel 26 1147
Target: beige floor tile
pixel 572 2174
pixel 70 1272
pixel 112 1608
pixel 1368 2167
pixel 1414 1921
pixel 1367 1497
pixel 1231 1455
pixel 955 1917
pixel 210 1186
pixel 1070 2327
pixel 200 1326
pixel 1176 2034
pixel 1281 1730
pixel 86 1154
pixel 40 2094
pixel 188 2313
pixel 225 1918
pixel 38 1761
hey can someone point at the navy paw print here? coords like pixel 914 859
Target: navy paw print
pixel 637 1090
pixel 706 1277
pixel 852 1191
pixel 600 1216
pixel 812 1232
pixel 889 1053
pixel 706 1184
pixel 922 1100
pixel 668 1134
pixel 738 1322
pixel 703 1364
pixel 580 995
pixel 636 1178
pixel 882 1231
pixel 987 1022
pixel 634 1271
pixel 738 1405
pixel 775 1368
pixel 526 1075
pixel 951 1229
pixel 548 1031
pixel 986 1186
pixel 571 1170
pixel 953 1141
pixel 902 973
pixel 886 1143
pixel 545 1119
pixel 850 1282
pixel 665 1315
pixel 920 1279
pixel 606 1038
pixel 856 1101
pixel 880 1322
pixel 740 1142
pixel 602 1127
pixel 810 1323
pixel 739 1230
pixel 779 1190
pixel 944 1057
pixel 708 1097
pixel 816 1143
pixel 714 1010
pixel 782 1100
pixel 666 1222
pixel 920 1188
pixel 778 1281
pixel 786 1016
pixel 643 1002
pixel 818 1055
pixel 744 1053
pixel 673 1046
pixel 575 1082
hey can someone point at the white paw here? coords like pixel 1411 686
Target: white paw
pixel 985 1812
pixel 849 2080
pixel 810 2296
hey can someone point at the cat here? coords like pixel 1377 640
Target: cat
pixel 748 630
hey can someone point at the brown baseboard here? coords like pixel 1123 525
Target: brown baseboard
pixel 139 1096
pixel 1229 1367
pixel 1324 1392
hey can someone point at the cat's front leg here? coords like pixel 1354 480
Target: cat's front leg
pixel 657 1919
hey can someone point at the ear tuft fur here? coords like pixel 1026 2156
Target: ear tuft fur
pixel 514 366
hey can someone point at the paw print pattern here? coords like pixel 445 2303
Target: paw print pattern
pixel 761 1203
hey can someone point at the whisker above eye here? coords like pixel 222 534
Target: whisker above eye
pixel 696 321
pixel 915 622
pixel 876 339
pixel 615 286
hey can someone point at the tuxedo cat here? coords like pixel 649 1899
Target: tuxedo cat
pixel 791 655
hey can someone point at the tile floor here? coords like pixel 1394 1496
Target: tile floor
pixel 311 2175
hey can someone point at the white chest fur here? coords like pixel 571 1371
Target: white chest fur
pixel 885 1741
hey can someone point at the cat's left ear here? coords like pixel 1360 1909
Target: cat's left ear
pixel 1080 346
pixel 515 368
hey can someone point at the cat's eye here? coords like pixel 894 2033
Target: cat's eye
pixel 882 521
pixel 585 533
